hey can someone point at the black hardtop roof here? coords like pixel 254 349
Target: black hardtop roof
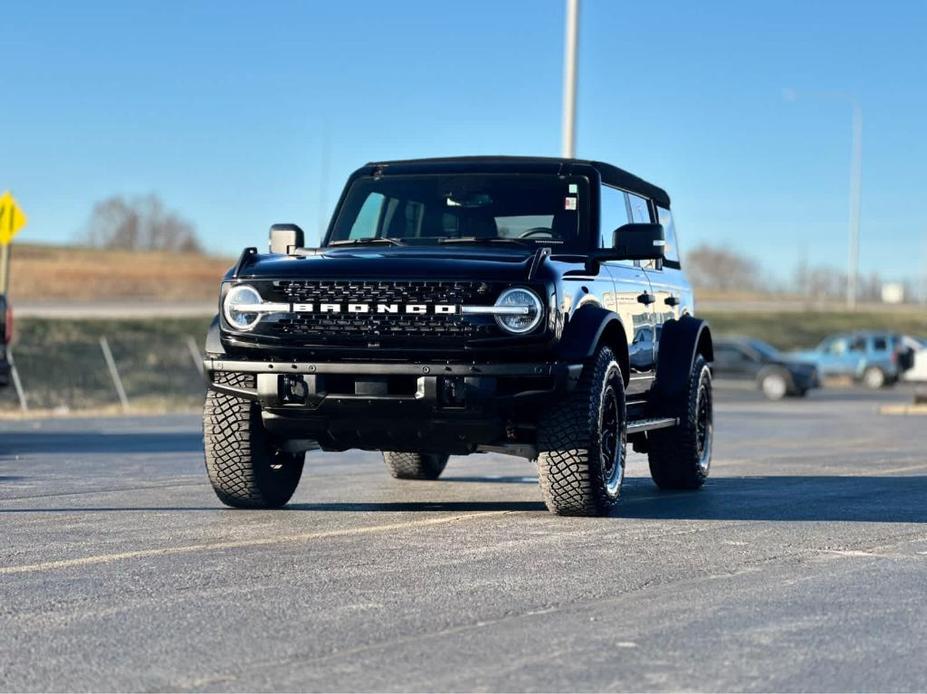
pixel 609 174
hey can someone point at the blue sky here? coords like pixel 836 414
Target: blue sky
pixel 222 108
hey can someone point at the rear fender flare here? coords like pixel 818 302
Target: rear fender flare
pixel 680 342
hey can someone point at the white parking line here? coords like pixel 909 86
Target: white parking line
pixel 235 544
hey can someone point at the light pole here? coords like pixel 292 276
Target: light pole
pixel 856 184
pixel 568 142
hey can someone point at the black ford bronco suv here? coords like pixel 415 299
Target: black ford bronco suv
pixel 527 306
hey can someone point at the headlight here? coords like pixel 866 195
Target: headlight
pixel 237 302
pixel 526 311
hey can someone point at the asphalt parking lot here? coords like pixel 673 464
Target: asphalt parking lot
pixel 801 566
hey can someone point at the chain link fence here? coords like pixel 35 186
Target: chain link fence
pixel 140 368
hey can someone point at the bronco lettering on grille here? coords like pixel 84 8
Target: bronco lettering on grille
pixel 419 309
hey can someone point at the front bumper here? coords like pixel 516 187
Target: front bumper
pixel 440 407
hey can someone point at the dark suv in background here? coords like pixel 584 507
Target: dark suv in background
pixel 529 306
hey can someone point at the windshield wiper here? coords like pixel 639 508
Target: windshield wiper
pixel 491 239
pixel 367 242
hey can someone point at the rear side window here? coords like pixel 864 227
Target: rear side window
pixel 640 209
pixel 880 344
pixel 672 248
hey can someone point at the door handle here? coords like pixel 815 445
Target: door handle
pixel 671 301
pixel 645 298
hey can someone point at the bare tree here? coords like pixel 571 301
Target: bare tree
pixel 141 223
pixel 722 270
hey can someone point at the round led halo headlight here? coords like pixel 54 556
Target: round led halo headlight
pixel 525 319
pixel 237 298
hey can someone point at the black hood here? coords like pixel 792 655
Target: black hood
pixel 395 262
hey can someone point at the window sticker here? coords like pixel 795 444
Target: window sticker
pixel 574 189
pixel 569 203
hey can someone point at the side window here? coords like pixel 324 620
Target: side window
pixel 366 224
pixel 613 213
pixel 640 209
pixel 880 344
pixel 672 249
pixel 858 344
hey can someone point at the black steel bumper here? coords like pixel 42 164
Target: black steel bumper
pixel 396 406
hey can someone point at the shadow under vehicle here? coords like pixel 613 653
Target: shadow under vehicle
pixel 775 374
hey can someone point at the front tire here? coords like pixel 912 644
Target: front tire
pixel 245 468
pixel 415 466
pixel 582 443
pixel 774 385
pixel 680 457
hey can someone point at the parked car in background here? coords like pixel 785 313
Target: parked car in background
pixel 775 374
pixel 875 359
pixel 918 371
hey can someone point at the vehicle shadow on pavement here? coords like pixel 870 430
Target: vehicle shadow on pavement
pixel 507 479
pixel 421 506
pixel 869 499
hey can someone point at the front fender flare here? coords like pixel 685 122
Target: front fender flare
pixel 588 327
pixel 213 343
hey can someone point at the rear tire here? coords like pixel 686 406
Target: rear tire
pixel 245 468
pixel 680 457
pixel 415 466
pixel 874 378
pixel 582 443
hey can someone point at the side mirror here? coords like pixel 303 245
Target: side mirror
pixel 639 242
pixel 635 242
pixel 285 238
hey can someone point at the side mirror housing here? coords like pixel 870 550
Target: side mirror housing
pixel 635 242
pixel 285 238
pixel 640 242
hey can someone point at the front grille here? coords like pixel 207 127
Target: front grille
pixel 372 327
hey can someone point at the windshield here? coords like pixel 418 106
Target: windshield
pixel 515 209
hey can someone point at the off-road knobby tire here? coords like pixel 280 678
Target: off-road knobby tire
pixel 570 470
pixel 674 456
pixel 415 466
pixel 245 468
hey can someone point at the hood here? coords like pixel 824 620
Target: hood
pixel 459 262
pixel 803 357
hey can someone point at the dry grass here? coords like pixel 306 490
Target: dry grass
pixel 42 273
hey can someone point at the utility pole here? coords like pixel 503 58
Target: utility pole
pixel 856 184
pixel 568 148
pixel 856 175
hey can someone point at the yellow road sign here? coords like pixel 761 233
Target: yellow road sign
pixel 12 219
